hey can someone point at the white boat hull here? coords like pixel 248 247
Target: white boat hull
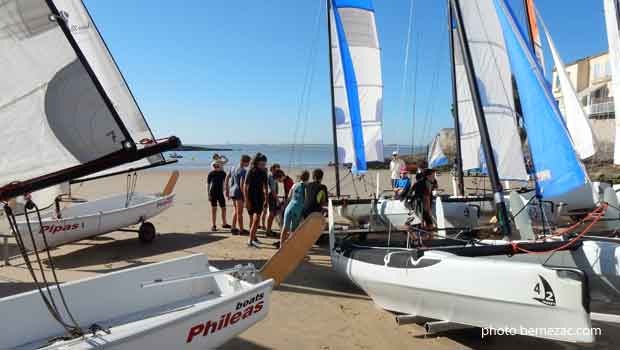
pixel 198 313
pixel 93 218
pixel 471 291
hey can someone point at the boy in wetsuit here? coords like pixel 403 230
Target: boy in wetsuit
pixel 316 194
pixel 215 188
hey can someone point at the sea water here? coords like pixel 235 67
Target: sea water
pixel 288 156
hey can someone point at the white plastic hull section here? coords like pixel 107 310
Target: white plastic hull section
pixel 393 211
pixel 200 313
pixel 93 218
pixel 503 294
pixel 356 213
pixel 598 258
pixel 455 215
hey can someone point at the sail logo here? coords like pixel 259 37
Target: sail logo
pixel 545 294
pixel 244 309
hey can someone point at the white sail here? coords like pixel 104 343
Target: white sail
pixel 612 13
pixel 100 59
pixel 354 32
pixel 470 136
pixel 492 71
pixel 435 156
pixel 53 115
pixel 576 120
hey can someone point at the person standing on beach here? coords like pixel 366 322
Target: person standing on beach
pixel 235 183
pixel 272 199
pixel 316 194
pixel 215 188
pixel 222 160
pixel 294 209
pixel 395 165
pixel 255 194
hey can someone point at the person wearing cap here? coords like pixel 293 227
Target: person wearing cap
pixel 395 165
pixel 402 184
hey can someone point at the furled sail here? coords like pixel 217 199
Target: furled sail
pixel 576 120
pixel 492 70
pixel 612 20
pixel 85 33
pixel 558 170
pixel 436 157
pixel 53 112
pixel 530 10
pixel 357 82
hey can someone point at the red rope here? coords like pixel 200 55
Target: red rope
pixel 597 213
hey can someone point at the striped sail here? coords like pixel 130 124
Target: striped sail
pixel 492 70
pixel 575 117
pixel 436 157
pixel 357 83
pixel 558 169
pixel 612 19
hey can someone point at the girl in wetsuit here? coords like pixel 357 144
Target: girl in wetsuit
pixel 215 188
pixel 255 194
pixel 294 209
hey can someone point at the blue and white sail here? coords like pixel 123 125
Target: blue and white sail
pixel 436 157
pixel 557 166
pixel 493 79
pixel 357 83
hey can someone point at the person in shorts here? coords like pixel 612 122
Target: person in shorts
pixel 255 194
pixel 235 181
pixel 215 189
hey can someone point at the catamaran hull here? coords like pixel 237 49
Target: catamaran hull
pixel 471 291
pixel 199 313
pixel 93 218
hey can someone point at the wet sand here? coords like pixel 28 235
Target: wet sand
pixel 313 309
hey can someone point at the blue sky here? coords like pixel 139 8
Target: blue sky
pixel 234 71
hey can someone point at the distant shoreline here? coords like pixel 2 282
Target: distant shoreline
pixel 200 148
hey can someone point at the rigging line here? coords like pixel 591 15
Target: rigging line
pixel 403 91
pixel 415 80
pixel 432 96
pixel 302 97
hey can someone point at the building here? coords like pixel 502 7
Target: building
pixel 591 78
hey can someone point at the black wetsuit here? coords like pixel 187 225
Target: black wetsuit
pixel 311 204
pixel 256 180
pixel 215 182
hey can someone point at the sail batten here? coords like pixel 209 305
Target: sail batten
pixel 612 20
pixel 558 170
pixel 357 83
pixel 492 70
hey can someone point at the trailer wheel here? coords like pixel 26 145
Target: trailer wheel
pixel 147 232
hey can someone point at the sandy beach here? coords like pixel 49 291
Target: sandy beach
pixel 313 309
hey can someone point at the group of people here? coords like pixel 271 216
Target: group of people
pixel 419 194
pixel 250 186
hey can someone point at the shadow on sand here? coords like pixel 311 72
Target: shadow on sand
pixel 242 344
pixel 9 287
pixel 130 250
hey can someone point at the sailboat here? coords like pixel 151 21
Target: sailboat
pixel 356 95
pixel 432 278
pixel 83 218
pixel 60 123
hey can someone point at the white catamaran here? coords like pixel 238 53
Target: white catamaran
pixel 64 116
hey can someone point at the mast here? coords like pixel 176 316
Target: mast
pixel 496 185
pixel 331 90
pixel 455 110
pixel 528 19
